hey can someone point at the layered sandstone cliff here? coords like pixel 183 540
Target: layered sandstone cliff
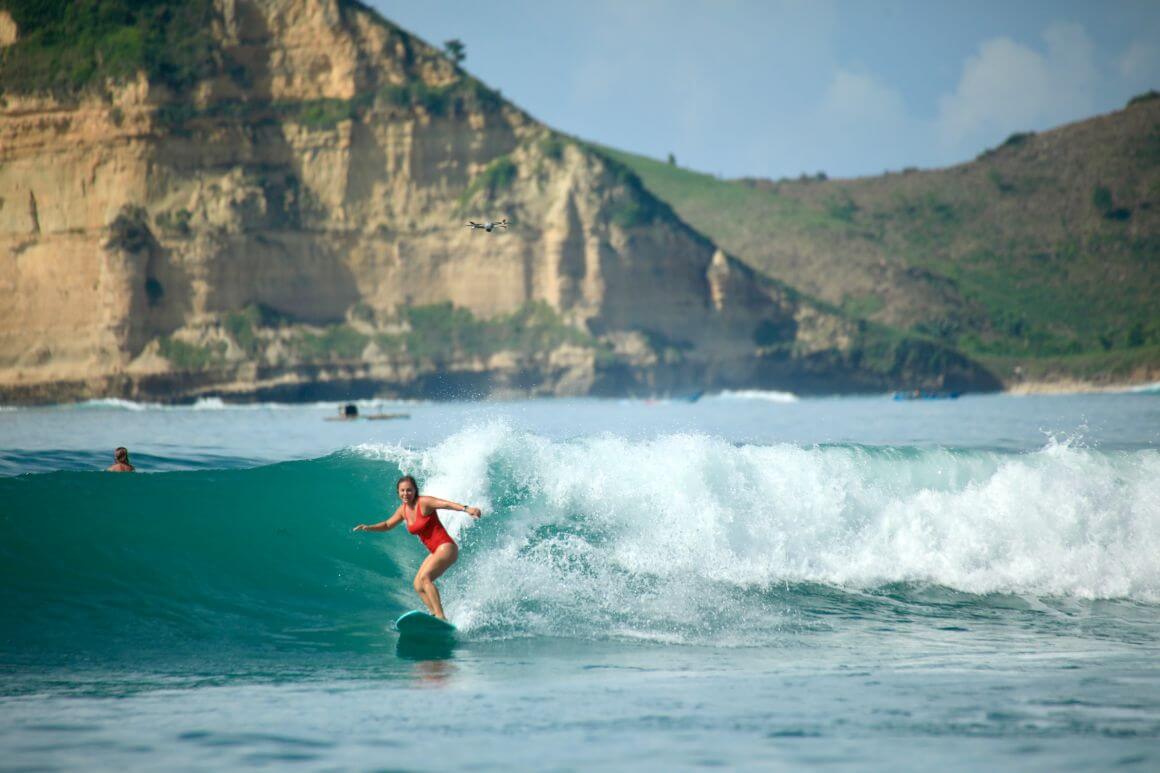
pixel 292 225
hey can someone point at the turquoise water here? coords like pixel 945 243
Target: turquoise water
pixel 745 581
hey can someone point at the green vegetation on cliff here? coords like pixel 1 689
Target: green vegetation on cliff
pixel 495 177
pixel 65 46
pixel 192 358
pixel 442 331
pixel 437 332
pixel 336 342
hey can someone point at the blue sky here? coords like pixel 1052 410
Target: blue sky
pixel 774 88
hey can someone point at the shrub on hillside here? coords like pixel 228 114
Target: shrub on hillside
pixel 496 176
pixel 243 325
pixel 191 357
pixel 552 146
pixel 1002 184
pixel 441 331
pixel 1147 96
pixel 455 51
pixel 319 113
pixel 1103 201
pixel 842 208
pixel 1017 139
pixel 1102 198
pixel 337 342
pixel 1013 141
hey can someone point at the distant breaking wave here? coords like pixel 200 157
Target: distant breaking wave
pixel 217 404
pixel 118 403
pixel 758 394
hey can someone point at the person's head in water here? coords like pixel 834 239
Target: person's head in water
pixel 121 460
pixel 408 489
pixel 350 411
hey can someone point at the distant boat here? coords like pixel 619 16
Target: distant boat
pixel 922 394
pixel 349 412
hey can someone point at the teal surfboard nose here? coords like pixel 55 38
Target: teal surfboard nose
pixel 419 624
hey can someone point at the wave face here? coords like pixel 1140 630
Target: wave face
pixel 682 538
pixel 250 559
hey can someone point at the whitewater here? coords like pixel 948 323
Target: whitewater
pixel 749 580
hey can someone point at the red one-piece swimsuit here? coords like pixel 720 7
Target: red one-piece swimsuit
pixel 427 528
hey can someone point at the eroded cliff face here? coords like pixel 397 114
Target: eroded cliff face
pixel 290 226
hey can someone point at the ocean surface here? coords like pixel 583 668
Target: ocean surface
pixel 747 581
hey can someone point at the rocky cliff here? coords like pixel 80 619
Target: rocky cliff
pixel 286 221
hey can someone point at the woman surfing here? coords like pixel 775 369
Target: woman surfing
pixel 422 519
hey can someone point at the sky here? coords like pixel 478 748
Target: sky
pixel 777 88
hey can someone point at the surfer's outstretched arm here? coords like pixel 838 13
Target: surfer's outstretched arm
pixel 386 525
pixel 442 504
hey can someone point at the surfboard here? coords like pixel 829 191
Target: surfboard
pixel 419 624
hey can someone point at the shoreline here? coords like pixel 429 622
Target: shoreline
pixel 1076 387
pixel 210 402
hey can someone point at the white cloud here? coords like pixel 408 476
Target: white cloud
pixel 1140 64
pixel 1009 87
pixel 696 77
pixel 860 124
pixel 860 101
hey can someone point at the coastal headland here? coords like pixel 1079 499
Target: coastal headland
pixel 266 201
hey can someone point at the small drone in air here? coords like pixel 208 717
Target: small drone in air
pixel 487 226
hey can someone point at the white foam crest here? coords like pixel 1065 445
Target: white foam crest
pixel 758 394
pixel 1152 388
pixel 118 403
pixel 607 533
pixel 455 469
pixel 218 404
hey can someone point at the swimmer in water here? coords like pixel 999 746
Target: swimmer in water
pixel 121 461
pixel 419 513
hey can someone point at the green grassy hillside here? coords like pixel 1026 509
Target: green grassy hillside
pixel 1042 254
